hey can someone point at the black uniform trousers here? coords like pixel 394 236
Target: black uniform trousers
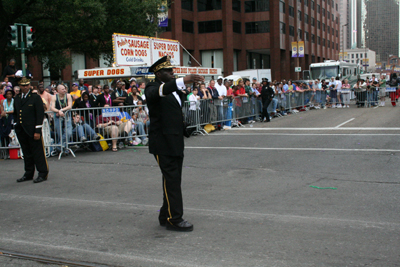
pixel 265 109
pixel 172 208
pixel 34 154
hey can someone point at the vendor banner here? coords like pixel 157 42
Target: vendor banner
pixel 134 50
pixel 301 48
pixel 294 49
pixel 197 70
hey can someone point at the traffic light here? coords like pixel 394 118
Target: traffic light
pixel 13 36
pixel 30 37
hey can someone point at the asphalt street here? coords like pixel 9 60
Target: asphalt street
pixel 320 188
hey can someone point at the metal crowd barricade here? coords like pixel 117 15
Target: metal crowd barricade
pixel 119 125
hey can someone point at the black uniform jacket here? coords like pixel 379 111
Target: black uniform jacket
pixel 267 93
pixel 166 118
pixel 28 113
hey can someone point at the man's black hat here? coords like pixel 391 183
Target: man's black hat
pixel 162 63
pixel 265 79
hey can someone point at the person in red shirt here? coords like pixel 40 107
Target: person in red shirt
pixel 2 86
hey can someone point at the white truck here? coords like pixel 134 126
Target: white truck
pixel 251 73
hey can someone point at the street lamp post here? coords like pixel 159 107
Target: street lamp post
pixel 343 40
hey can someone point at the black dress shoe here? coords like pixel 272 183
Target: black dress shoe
pixel 24 179
pixel 39 180
pixel 183 226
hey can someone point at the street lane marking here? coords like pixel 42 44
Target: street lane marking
pixel 318 129
pixel 297 149
pixel 344 123
pixel 210 212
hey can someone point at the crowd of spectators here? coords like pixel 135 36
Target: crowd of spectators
pixel 75 114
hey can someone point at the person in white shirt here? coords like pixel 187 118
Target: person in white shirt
pixel 338 87
pixel 194 107
pixel 222 94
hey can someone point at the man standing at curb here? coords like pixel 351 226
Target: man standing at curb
pixel 164 100
pixel 28 116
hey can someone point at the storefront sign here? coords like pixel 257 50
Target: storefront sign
pixel 133 50
pixel 199 71
pixel 104 73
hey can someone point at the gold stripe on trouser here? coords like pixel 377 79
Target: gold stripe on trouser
pixel 165 191
pixel 44 152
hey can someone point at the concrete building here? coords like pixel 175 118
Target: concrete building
pixel 382 28
pixel 366 58
pixel 237 35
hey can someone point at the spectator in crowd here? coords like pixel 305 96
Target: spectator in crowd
pixel 204 93
pixel 81 86
pixel 132 82
pixel 119 96
pixel 6 82
pixel 94 95
pixel 52 87
pixel 229 91
pixel 60 104
pixel 2 89
pixel 6 116
pixel 113 127
pixel 239 93
pixel 17 90
pixel 256 98
pixel 333 92
pixel 216 101
pixel 90 89
pixel 82 131
pixel 382 90
pixel 142 121
pixel 360 89
pixel 141 89
pixel 28 74
pixel 105 97
pixel 393 83
pixel 375 82
pixel 85 103
pixel 46 97
pixel 222 92
pixel 346 93
pixel 133 97
pixel 75 93
pixel 9 72
pixel 338 88
pixel 324 94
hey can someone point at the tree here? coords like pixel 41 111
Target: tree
pixel 80 26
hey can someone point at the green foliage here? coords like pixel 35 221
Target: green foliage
pixel 81 26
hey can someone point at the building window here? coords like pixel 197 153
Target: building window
pixel 319 25
pixel 329 44
pixel 237 26
pixel 333 17
pixel 323 26
pixel 361 55
pixel 299 15
pixel 256 6
pixel 236 5
pixel 299 33
pixel 312 5
pixel 319 40
pixel 366 55
pixel 291 30
pixel 312 21
pixel 352 61
pixel 306 36
pixel 210 26
pixel 291 11
pixel 328 15
pixel 312 38
pixel 207 5
pixel 282 27
pixel 187 26
pixel 337 33
pixel 352 55
pixel 187 5
pixel 337 46
pixel 281 7
pixel 323 12
pixel 336 7
pixel 306 2
pixel 318 8
pixel 306 18
pixel 356 55
pixel 329 30
pixel 257 27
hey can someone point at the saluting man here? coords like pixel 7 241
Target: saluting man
pixel 164 100
pixel 28 121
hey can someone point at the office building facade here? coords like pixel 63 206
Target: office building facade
pixel 237 35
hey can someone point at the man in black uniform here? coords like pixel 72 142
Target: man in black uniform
pixel 28 117
pixel 165 99
pixel 267 94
